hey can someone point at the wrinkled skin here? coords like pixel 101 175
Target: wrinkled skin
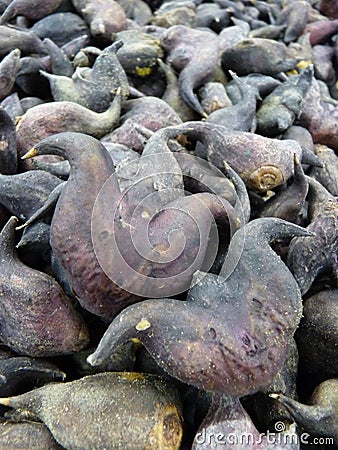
pixel 194 53
pixel 266 411
pixel 233 341
pixel 37 319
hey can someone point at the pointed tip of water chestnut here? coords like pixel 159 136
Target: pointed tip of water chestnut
pixel 20 227
pixel 45 74
pixel 30 154
pixel 12 221
pixel 275 396
pixel 6 401
pixel 92 360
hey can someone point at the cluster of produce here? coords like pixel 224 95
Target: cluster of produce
pixel 169 217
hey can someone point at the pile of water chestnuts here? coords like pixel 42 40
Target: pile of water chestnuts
pixel 169 217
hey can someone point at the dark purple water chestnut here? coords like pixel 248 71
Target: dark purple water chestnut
pixel 279 109
pixel 37 319
pixel 172 13
pixel 8 151
pixel 328 174
pixel 263 163
pixel 150 112
pixel 319 117
pixel 22 373
pixel 172 96
pixel 323 60
pixel 93 88
pixel 23 193
pixel 295 16
pixel 233 332
pixel 91 166
pixel 58 60
pixel 242 115
pixel 32 9
pixel 139 53
pixel 61 28
pixel 14 435
pixel 156 183
pixel 321 31
pixel 317 336
pixel 194 54
pixel 318 255
pixel 319 416
pixel 288 203
pixel 138 11
pixel 25 40
pixel 104 17
pixel 258 55
pixel 9 67
pixel 63 116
